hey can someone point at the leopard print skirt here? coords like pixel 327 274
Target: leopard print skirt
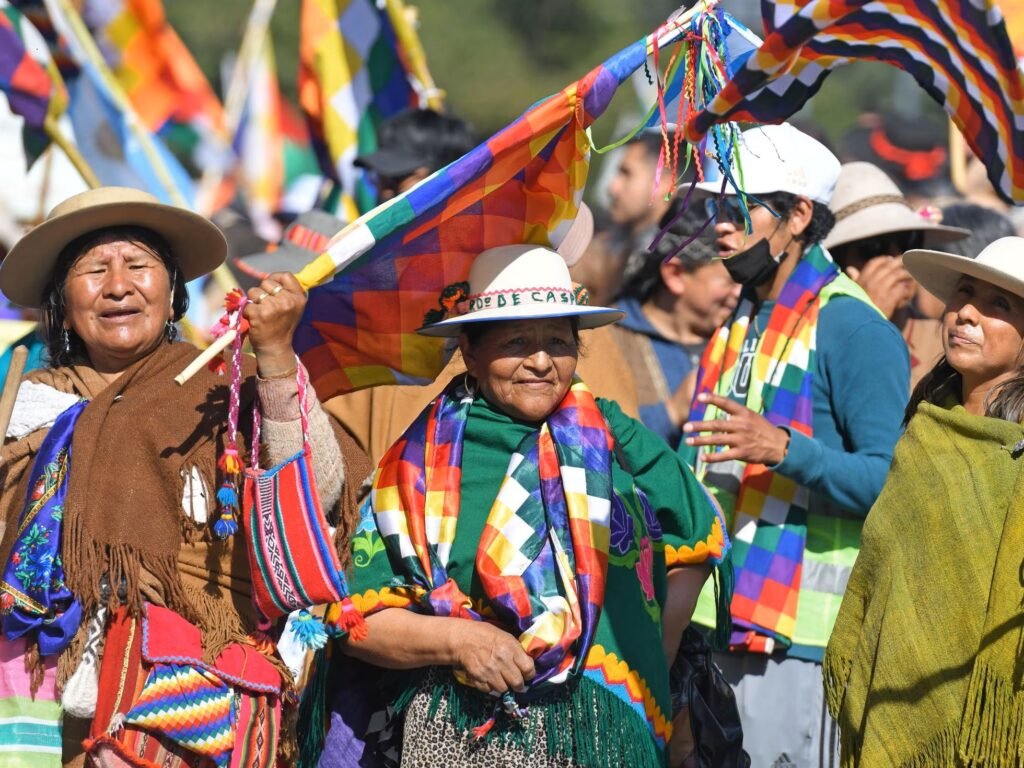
pixel 429 742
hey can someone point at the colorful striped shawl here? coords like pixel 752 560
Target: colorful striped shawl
pixel 769 521
pixel 543 555
pixel 957 50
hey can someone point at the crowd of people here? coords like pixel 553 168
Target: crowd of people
pixel 782 421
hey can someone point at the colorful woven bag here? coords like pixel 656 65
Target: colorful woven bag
pixel 292 558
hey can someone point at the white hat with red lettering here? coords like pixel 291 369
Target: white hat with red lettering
pixel 514 282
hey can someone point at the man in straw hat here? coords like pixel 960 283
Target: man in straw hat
pixel 874 226
pixel 799 402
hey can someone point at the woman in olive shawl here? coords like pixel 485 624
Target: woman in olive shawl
pixel 922 668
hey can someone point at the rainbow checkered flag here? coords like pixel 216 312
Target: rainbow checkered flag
pixel 957 50
pixel 33 86
pixel 360 62
pixel 523 185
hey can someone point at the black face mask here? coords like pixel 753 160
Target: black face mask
pixel 755 266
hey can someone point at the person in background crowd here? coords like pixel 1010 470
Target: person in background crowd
pixel 799 401
pixel 923 666
pixel 635 202
pixel 874 226
pixel 411 146
pixel 985 225
pixel 914 152
pixel 672 307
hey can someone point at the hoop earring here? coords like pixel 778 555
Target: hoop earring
pixel 67 341
pixel 469 384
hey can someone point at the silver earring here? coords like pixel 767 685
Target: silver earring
pixel 171 331
pixel 67 341
pixel 469 384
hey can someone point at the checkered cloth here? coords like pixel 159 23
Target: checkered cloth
pixel 958 51
pixel 543 554
pixel 770 517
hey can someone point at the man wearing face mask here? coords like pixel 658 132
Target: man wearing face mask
pixel 799 403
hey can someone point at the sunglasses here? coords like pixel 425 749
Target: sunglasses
pixel 891 244
pixel 727 209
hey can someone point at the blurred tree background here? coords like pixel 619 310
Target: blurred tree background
pixel 494 58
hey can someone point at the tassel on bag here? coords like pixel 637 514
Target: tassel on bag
pixel 82 689
pixel 230 463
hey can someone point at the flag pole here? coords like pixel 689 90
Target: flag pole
pixel 89 47
pixel 957 158
pixel 253 39
pixel 403 21
pixel 71 151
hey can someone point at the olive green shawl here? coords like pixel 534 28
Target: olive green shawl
pixel 924 664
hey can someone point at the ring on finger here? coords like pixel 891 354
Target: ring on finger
pixel 277 290
pixel 262 296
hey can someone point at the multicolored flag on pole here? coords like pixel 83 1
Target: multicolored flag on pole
pixel 359 63
pixel 392 267
pixel 29 78
pixel 110 135
pixel 162 80
pixel 957 50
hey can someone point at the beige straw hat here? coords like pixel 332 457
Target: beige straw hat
pixel 867 203
pixel 197 246
pixel 517 282
pixel 1001 263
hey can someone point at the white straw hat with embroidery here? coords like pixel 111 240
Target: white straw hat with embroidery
pixel 1001 263
pixel 514 282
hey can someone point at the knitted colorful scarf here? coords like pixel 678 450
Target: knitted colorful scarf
pixel 769 521
pixel 543 555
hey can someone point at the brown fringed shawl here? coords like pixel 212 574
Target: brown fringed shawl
pixel 133 447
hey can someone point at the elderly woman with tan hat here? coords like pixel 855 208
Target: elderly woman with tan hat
pixel 116 594
pixel 923 666
pixel 875 224
pixel 529 556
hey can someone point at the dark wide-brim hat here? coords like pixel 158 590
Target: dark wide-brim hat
pixel 197 245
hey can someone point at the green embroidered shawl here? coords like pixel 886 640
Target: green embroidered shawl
pixel 924 664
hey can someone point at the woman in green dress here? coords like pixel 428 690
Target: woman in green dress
pixel 923 665
pixel 529 556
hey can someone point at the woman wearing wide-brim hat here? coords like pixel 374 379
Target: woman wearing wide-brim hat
pixel 923 666
pixel 529 555
pixel 108 496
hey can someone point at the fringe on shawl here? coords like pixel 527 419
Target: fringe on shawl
pixel 835 670
pixel 583 722
pixel 991 732
pixel 992 729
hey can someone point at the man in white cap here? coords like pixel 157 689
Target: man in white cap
pixel 875 225
pixel 799 403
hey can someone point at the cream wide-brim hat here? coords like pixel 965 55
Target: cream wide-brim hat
pixel 867 203
pixel 521 282
pixel 1001 263
pixel 197 245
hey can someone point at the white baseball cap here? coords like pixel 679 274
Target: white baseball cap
pixel 778 158
pixel 514 282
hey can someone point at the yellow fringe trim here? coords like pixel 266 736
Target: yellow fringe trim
pixel 617 672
